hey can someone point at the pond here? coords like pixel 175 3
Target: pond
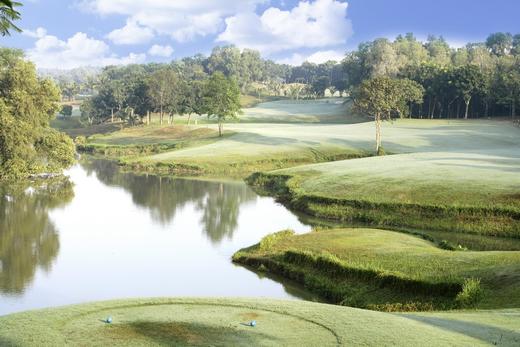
pixel 104 234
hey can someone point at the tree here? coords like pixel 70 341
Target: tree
pixel 468 81
pixel 411 93
pixel 500 43
pixel 222 99
pixel 439 50
pixel 66 110
pixel 382 96
pixel 162 87
pixel 507 83
pixel 320 84
pixel 8 15
pixel 192 98
pixel 28 145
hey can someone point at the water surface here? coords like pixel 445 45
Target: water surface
pixel 105 234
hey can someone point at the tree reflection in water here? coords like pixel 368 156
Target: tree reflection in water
pixel 219 202
pixel 28 238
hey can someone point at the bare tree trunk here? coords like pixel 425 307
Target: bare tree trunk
pixel 189 118
pixel 513 109
pixel 112 111
pixel 161 115
pixel 220 128
pixel 148 118
pixel 467 108
pixel 378 132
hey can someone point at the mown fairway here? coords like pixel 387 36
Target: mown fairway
pixel 223 322
pixel 384 269
pixel 331 110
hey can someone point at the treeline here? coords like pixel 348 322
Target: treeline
pixel 132 92
pixel 478 80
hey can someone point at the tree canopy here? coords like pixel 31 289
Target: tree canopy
pixel 27 104
pixel 222 99
pixel 8 15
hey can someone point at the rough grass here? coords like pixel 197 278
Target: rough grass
pixel 220 322
pixel 145 135
pixel 387 270
pixel 74 128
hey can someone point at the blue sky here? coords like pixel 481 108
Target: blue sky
pixel 66 34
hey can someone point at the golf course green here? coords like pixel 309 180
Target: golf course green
pixel 439 242
pixel 226 322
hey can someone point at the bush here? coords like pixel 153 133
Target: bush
pixel 80 140
pixel 66 110
pixel 471 293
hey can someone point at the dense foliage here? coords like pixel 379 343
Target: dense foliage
pixel 8 14
pixel 478 80
pixel 27 103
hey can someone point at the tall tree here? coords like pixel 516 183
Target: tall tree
pixel 468 81
pixel 162 87
pixel 500 43
pixel 222 99
pixel 382 96
pixel 28 145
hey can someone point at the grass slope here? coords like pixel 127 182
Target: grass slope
pixel 452 176
pixel 333 110
pixel 218 322
pixel 386 270
pixel 445 143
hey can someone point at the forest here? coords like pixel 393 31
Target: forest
pixel 478 80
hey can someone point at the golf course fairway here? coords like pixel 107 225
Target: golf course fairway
pixel 224 322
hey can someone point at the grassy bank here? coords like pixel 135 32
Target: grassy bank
pixel 389 271
pixel 148 140
pixel 222 322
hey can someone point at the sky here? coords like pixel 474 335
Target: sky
pixel 67 34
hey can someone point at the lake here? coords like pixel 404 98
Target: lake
pixel 104 234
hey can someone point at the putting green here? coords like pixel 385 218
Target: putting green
pixel 222 322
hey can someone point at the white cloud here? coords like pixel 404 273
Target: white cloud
pixel 183 20
pixel 132 33
pixel 316 58
pixel 161 51
pixel 315 24
pixel 38 33
pixel 79 50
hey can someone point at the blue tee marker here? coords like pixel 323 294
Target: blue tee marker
pixel 108 320
pixel 252 323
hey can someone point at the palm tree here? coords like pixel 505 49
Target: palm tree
pixel 8 15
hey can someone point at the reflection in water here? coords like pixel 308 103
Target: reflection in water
pixel 28 239
pixel 117 235
pixel 164 196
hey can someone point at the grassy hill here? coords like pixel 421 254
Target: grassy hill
pixel 223 322
pixel 385 270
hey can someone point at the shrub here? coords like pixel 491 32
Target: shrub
pixel 66 110
pixel 80 140
pixel 471 293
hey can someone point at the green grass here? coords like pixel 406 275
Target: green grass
pixel 147 140
pixel 386 270
pixel 332 110
pixel 74 128
pixel 217 322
